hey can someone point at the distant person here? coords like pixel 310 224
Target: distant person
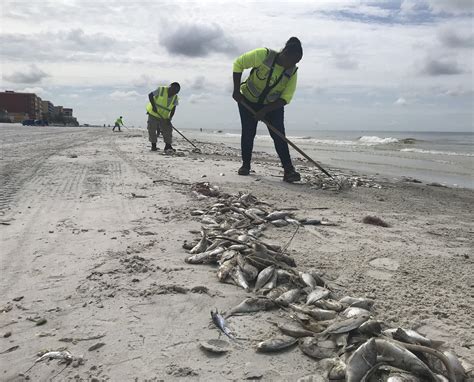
pixel 269 87
pixel 118 123
pixel 160 110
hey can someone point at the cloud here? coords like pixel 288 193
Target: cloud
pixel 198 83
pixel 401 102
pixel 36 89
pixel 455 7
pixel 345 61
pixel 32 75
pixel 198 98
pixel 120 95
pixel 453 39
pixel 197 40
pixel 440 67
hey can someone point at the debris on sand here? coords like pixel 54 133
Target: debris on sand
pixel 341 330
pixel 374 220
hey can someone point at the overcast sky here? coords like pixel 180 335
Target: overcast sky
pixel 367 65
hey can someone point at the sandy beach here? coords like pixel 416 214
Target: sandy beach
pixel 92 258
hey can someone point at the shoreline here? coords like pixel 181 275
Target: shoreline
pixel 94 245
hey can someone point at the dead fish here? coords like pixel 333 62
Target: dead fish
pixel 243 238
pixel 361 361
pixel 346 325
pixel 264 276
pixel 316 294
pixel 62 355
pixel 225 268
pixel 215 346
pixel 288 297
pixel 399 357
pixel 207 257
pixel 219 321
pixel 411 336
pixel 308 279
pixel 272 283
pixel 336 368
pixel 398 377
pixel 237 247
pixel 197 213
pixel 456 366
pixel 279 223
pixel 202 245
pixel 354 312
pixel 317 349
pixel 256 211
pixel 208 220
pixel 233 232
pixel 284 276
pixel 370 328
pixel 252 304
pixel 329 305
pixel 248 269
pixel 277 292
pixel 277 215
pixel 276 344
pixel 318 278
pixel 358 302
pixel 294 330
pixel 316 313
pixel 239 278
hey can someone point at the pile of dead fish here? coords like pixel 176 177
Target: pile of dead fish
pixel 341 332
pixel 338 182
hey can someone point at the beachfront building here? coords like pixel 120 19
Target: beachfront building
pixel 67 112
pixel 21 106
pixel 48 109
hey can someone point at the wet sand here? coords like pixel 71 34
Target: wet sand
pixel 92 230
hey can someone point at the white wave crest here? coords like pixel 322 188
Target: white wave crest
pixel 436 152
pixel 373 140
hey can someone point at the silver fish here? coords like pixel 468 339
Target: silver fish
pixel 207 257
pixel 358 302
pixel 398 377
pixel 316 294
pixel 355 312
pixel 252 304
pixel 249 270
pixel 316 313
pixel 399 357
pixel 308 279
pixel 279 223
pixel 237 247
pixel 370 328
pixel 277 292
pixel 277 215
pixel 264 276
pixel 225 268
pixel 233 232
pixel 276 344
pixel 197 213
pixel 239 278
pixel 411 336
pixel 288 297
pixel 317 349
pixel 208 220
pixel 62 355
pixel 456 365
pixel 202 245
pixel 329 305
pixel 219 321
pixel 294 330
pixel 346 325
pixel 272 283
pixel 361 361
pixel 335 367
pixel 256 211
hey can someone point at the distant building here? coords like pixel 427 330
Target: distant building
pixel 21 105
pixel 48 108
pixel 58 110
pixel 67 112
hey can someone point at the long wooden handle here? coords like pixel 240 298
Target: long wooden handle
pixel 282 136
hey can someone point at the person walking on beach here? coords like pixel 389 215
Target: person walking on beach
pixel 269 87
pixel 160 110
pixel 118 123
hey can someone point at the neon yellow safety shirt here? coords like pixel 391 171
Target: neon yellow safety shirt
pixel 255 58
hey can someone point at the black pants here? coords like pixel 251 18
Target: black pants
pixel 249 129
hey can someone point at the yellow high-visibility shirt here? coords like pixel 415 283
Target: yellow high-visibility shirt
pixel 255 58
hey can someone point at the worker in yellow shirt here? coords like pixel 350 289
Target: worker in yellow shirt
pixel 160 110
pixel 269 87
pixel 118 122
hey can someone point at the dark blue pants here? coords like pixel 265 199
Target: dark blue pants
pixel 249 129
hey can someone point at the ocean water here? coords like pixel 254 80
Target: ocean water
pixel 442 157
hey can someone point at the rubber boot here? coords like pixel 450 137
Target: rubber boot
pixel 245 169
pixel 291 175
pixel 153 147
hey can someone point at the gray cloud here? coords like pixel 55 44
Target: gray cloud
pixel 344 61
pixel 453 39
pixel 440 67
pixel 198 40
pixel 33 75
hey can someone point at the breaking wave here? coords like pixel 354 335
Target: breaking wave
pixel 373 140
pixel 436 152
